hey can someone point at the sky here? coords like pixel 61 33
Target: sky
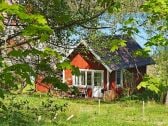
pixel 141 38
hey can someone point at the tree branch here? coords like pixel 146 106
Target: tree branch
pixel 19 44
pixel 88 27
pixel 13 36
pixel 82 21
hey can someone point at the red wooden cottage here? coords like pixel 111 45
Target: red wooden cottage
pixel 102 69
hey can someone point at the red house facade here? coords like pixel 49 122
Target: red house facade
pixel 99 73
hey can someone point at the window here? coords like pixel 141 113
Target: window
pixel 76 80
pixel 82 77
pixel 97 79
pixel 119 78
pixel 89 77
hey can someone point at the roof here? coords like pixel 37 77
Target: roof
pixel 121 58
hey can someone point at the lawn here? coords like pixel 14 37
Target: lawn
pixel 28 111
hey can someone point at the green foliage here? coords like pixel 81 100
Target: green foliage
pixel 56 83
pixel 74 90
pixel 129 21
pixel 142 52
pixel 23 70
pixel 47 52
pixel 157 11
pixel 158 74
pixel 129 30
pixel 40 30
pixel 116 7
pixel 52 52
pixel 1 24
pixel 35 24
pixel 23 111
pixel 16 53
pixel 8 80
pixel 150 83
pixel 82 109
pixel 1 94
pixel 157 40
pixel 1 61
pixel 66 65
pixel 157 8
pixel 117 43
pixel 26 71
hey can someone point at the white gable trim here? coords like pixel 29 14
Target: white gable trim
pixel 108 80
pixel 63 75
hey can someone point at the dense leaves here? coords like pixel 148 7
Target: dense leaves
pixel 117 43
pixel 157 15
pixel 23 111
pixel 150 83
pixel 157 81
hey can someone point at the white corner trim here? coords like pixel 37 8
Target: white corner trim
pixel 73 80
pixel 107 80
pixel 63 76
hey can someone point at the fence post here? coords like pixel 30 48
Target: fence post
pixel 166 101
pixel 99 106
pixel 143 109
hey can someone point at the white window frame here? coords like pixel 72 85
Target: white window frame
pixel 92 77
pixel 101 77
pixel 121 78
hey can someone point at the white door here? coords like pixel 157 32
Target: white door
pixel 97 92
pixel 97 84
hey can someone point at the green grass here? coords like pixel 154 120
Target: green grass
pixel 86 112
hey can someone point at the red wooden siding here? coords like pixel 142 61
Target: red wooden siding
pixel 40 86
pixel 83 61
pixel 68 77
pixel 136 77
pixel 112 84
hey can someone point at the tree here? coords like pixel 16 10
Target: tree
pixel 22 59
pixel 156 25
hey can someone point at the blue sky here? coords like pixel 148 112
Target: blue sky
pixel 141 38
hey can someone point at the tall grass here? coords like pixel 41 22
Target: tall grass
pixel 85 112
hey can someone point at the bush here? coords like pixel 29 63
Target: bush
pixel 21 112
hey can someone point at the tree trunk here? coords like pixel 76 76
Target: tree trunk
pixel 166 100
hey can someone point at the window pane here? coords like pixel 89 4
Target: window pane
pixel 82 78
pixel 118 74
pixel 89 78
pixel 97 79
pixel 77 80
